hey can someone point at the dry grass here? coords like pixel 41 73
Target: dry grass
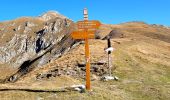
pixel 142 64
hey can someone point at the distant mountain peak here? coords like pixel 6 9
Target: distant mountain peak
pixel 51 14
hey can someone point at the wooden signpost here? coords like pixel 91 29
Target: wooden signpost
pixel 86 31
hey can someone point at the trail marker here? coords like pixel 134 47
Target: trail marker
pixel 83 35
pixel 93 24
pixel 86 31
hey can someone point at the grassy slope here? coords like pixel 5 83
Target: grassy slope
pixel 142 64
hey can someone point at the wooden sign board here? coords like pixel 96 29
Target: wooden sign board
pixel 93 24
pixel 83 35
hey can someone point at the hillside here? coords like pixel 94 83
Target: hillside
pixel 141 60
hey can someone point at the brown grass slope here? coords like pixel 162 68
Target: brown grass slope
pixel 141 59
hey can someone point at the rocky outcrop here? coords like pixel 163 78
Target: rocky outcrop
pixel 51 15
pixel 26 39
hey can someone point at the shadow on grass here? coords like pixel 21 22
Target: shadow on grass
pixel 32 90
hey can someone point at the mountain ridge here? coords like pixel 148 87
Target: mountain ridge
pixel 40 54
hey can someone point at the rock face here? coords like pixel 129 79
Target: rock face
pixel 26 39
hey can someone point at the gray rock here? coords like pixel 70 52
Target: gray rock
pixel 24 41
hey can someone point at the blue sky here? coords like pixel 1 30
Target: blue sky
pixel 107 11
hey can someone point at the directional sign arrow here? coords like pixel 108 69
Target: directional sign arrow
pixel 93 24
pixel 83 34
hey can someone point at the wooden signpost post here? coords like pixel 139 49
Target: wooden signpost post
pixel 86 31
